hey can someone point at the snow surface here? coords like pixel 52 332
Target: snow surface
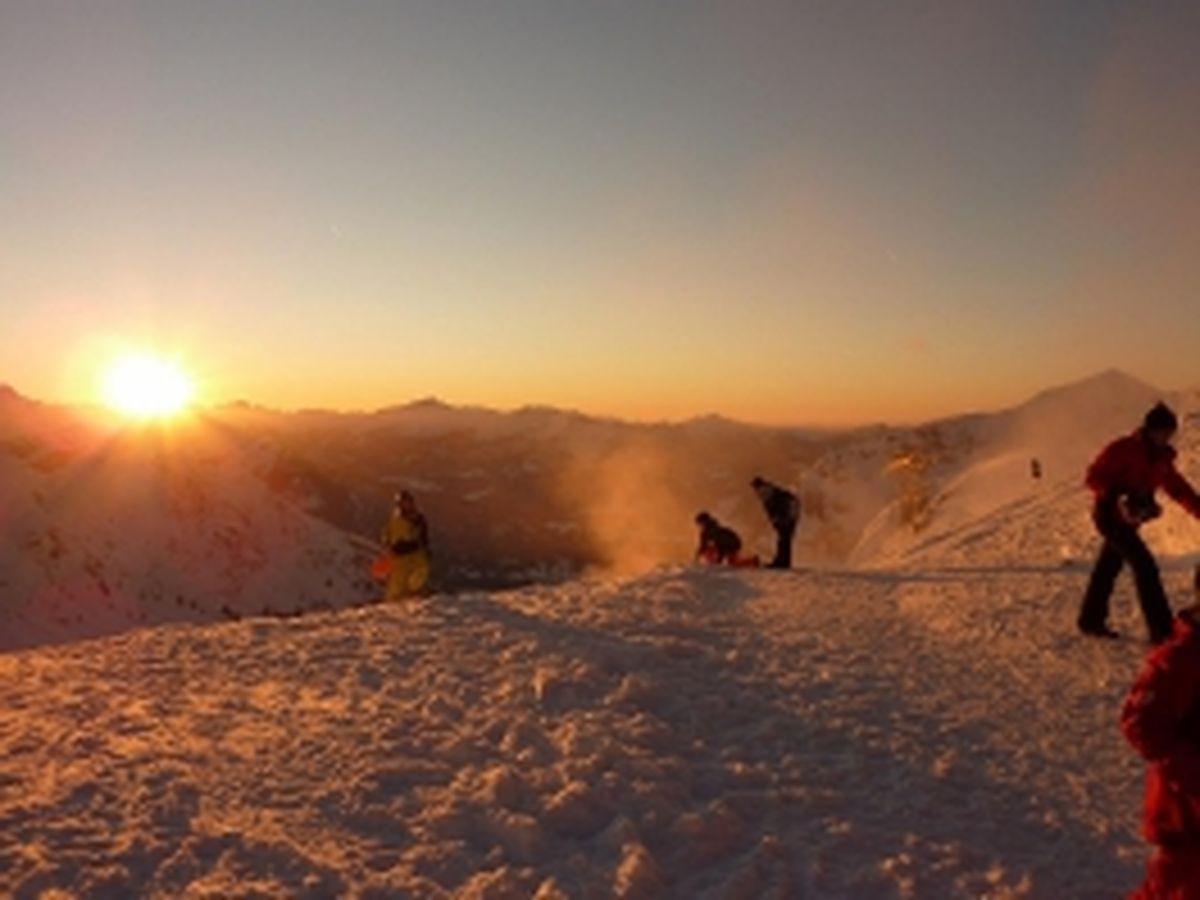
pixel 911 716
pixel 689 733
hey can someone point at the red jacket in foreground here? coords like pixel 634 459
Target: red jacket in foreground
pixel 1132 465
pixel 1161 718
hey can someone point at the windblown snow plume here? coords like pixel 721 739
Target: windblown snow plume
pixel 630 499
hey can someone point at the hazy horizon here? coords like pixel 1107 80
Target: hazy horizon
pixel 467 407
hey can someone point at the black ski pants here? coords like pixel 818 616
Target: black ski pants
pixel 784 532
pixel 1123 544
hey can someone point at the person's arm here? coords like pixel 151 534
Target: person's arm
pixel 1154 714
pixel 1180 491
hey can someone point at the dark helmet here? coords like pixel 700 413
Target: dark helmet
pixel 703 518
pixel 1161 418
pixel 758 481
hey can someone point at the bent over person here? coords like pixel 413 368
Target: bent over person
pixel 406 539
pixel 1161 718
pixel 719 544
pixel 783 510
pixel 1123 479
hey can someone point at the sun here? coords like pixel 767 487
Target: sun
pixel 144 386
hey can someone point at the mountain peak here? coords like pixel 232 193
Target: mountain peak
pixel 1109 386
pixel 428 404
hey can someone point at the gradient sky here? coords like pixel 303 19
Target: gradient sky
pixel 817 212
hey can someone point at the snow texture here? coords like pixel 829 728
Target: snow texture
pixel 690 733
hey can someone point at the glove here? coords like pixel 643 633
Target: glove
pixel 1137 508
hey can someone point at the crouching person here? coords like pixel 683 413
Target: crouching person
pixel 1161 718
pixel 719 544
pixel 406 540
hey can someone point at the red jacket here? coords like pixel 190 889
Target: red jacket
pixel 1161 718
pixel 1133 465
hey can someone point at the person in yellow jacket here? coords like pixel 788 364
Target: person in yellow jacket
pixel 406 539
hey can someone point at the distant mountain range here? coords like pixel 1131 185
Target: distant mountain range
pixel 243 510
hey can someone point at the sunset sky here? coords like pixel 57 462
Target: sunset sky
pixel 802 212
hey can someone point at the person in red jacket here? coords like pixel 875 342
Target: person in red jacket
pixel 1124 478
pixel 1161 719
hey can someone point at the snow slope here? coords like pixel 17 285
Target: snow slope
pixel 103 529
pixel 686 734
pixel 1019 521
pixel 950 492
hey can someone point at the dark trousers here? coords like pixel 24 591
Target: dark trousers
pixel 784 532
pixel 1123 544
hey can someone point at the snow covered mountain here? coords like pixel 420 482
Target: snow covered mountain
pixel 548 491
pixel 103 528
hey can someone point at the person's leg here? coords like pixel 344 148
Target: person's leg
pixel 397 581
pixel 1153 599
pixel 1093 615
pixel 418 578
pixel 783 546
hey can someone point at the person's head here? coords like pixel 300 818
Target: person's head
pixel 703 519
pixel 406 503
pixel 1160 425
pixel 759 484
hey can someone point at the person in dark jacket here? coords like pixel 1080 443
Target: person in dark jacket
pixel 1161 719
pixel 719 544
pixel 1123 479
pixel 783 509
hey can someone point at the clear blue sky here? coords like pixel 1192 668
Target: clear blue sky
pixel 785 211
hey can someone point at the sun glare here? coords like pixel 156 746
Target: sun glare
pixel 146 387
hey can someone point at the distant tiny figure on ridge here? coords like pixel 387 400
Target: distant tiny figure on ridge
pixel 719 544
pixel 1124 478
pixel 1161 718
pixel 406 547
pixel 783 509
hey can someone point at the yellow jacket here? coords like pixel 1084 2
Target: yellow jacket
pixel 407 540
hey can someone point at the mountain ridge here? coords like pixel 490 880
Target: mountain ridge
pixel 512 498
